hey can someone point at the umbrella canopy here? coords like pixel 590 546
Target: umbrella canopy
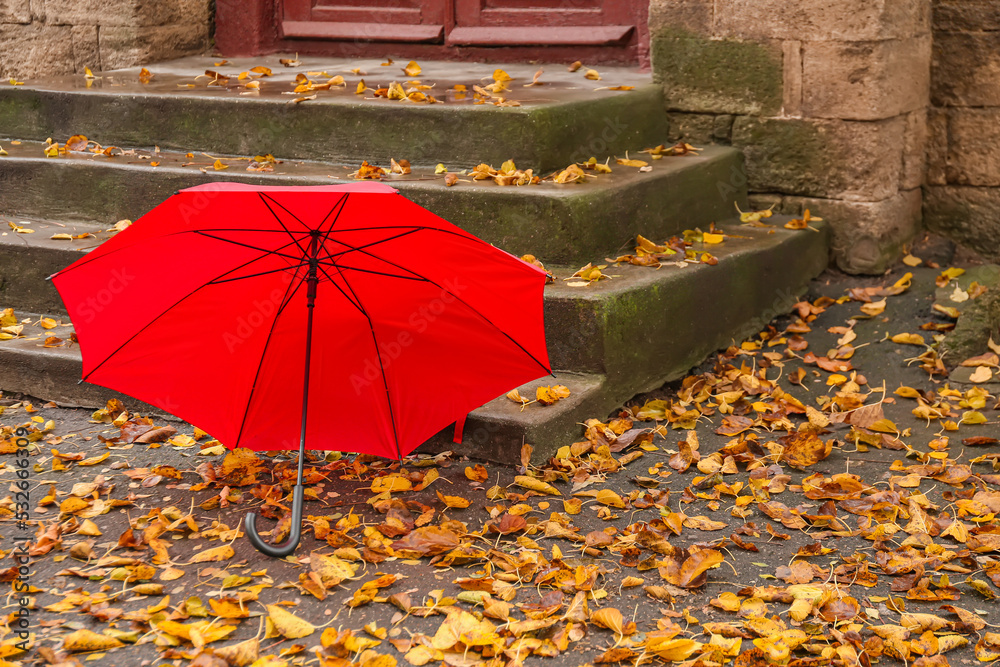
pixel 346 310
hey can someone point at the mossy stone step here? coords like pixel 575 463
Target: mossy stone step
pixel 563 120
pixel 608 341
pixel 560 224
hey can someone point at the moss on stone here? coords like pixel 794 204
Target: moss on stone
pixel 717 75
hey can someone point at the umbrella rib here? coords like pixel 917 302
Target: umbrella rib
pixel 381 366
pixel 377 273
pixel 342 203
pixel 341 290
pixel 175 304
pixel 463 302
pixel 247 245
pixel 264 198
pixel 365 245
pixel 262 273
pixel 286 299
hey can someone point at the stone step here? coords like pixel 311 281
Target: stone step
pixel 562 121
pixel 29 256
pixel 567 224
pixel 608 341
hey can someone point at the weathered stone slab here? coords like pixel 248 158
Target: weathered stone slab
pixel 973 137
pixel 15 11
pixel 30 49
pixel 124 46
pixel 866 237
pixel 706 75
pixel 865 80
pixel 131 13
pixel 847 20
pixel 966 69
pixel 852 160
pixel 695 16
pixel 966 15
pixel 967 215
pixel 915 150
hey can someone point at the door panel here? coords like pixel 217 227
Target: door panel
pixel 542 22
pixel 365 20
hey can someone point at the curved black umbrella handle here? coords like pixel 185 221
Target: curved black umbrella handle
pixel 294 534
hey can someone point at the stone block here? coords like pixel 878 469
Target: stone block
pixel 852 160
pixel 937 146
pixel 92 12
pixel 691 15
pixel 966 69
pixel 964 15
pixel 695 128
pixel 124 46
pixel 865 80
pixel 717 76
pixel 125 13
pixel 35 50
pixel 973 137
pixel 15 11
pixel 914 150
pixel 967 215
pixel 866 237
pixel 847 20
pixel 86 51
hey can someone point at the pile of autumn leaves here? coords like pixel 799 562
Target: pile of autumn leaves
pixel 518 599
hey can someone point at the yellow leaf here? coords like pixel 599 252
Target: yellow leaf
pixel 89 528
pixel 536 485
pixel 712 238
pixel 361 87
pixel 224 552
pixel 910 260
pixel 288 624
pixel 973 417
pixel 592 74
pixel 240 655
pixel 456 502
pixel 609 497
pixel 610 619
pixel 330 569
pixel 981 374
pixel 908 339
pixel 391 483
pixel 219 166
pixel 88 640
pixel 549 395
pixel 874 308
pixel 628 162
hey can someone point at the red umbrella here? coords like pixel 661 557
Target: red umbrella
pixel 228 302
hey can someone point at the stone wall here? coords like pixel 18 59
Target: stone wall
pixel 962 197
pixel 42 37
pixel 827 99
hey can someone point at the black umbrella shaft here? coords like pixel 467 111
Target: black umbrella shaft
pixel 311 281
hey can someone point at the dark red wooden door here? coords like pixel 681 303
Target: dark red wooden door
pixel 541 22
pixel 594 31
pixel 367 20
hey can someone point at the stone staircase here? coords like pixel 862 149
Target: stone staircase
pixel 607 341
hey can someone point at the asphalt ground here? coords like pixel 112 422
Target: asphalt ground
pixel 72 571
